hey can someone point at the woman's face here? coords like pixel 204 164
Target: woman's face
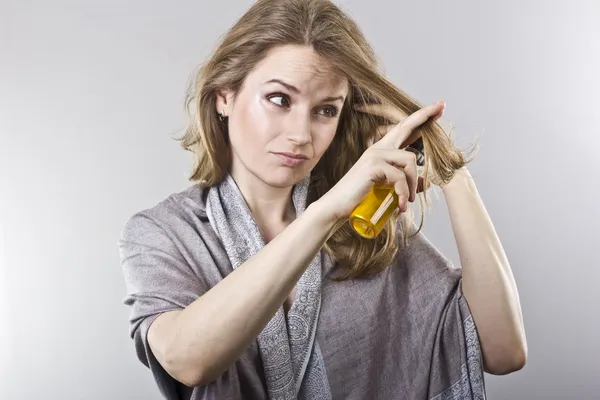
pixel 284 117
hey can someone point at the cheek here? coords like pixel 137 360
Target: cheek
pixel 249 129
pixel 323 139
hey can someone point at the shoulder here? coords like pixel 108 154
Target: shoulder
pixel 422 260
pixel 419 247
pixel 174 237
pixel 170 217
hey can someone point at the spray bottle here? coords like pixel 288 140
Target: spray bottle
pixel 371 215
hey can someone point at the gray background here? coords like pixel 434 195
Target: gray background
pixel 91 90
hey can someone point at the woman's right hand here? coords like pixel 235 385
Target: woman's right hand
pixel 382 163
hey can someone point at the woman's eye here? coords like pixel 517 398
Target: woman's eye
pixel 330 112
pixel 283 102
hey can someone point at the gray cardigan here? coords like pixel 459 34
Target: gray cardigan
pixel 405 333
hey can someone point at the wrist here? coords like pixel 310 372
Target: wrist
pixel 462 179
pixel 323 216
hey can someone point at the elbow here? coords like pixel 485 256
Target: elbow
pixel 191 373
pixel 191 380
pixel 179 367
pixel 184 372
pixel 507 362
pixel 190 364
pixel 174 356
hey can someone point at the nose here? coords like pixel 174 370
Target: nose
pixel 300 131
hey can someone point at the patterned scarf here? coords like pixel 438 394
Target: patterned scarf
pixel 293 364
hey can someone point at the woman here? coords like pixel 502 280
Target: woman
pixel 249 284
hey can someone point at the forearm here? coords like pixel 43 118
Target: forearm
pixel 488 282
pixel 211 333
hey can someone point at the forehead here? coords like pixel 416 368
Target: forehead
pixel 301 67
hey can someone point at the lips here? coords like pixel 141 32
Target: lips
pixel 291 159
pixel 294 155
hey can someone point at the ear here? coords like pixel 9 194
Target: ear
pixel 224 101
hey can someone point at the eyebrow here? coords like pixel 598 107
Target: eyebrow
pixel 294 89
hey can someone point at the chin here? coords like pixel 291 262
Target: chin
pixel 282 177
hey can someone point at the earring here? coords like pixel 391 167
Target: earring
pixel 222 116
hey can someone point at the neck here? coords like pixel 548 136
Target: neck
pixel 271 207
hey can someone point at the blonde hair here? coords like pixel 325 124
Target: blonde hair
pixel 336 37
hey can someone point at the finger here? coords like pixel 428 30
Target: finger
pixel 413 137
pixel 392 113
pixel 416 134
pixel 382 130
pixel 404 130
pixel 407 161
pixel 402 190
pixel 388 174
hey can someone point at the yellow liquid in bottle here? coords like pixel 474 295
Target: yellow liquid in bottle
pixel 370 216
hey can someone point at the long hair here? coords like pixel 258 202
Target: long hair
pixel 323 26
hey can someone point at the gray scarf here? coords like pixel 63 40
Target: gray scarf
pixel 293 364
